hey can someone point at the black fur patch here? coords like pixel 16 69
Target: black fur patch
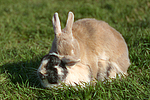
pixel 53 77
pixel 109 68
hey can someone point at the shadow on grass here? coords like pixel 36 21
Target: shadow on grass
pixel 23 72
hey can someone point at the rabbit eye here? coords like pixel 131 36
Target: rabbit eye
pixel 55 61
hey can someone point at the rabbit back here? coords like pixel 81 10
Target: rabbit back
pixel 99 41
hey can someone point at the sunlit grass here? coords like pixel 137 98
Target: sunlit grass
pixel 26 35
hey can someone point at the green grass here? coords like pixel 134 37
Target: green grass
pixel 26 35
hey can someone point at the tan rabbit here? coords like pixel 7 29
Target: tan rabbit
pixel 92 42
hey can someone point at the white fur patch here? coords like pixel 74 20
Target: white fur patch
pixel 42 69
pixel 59 70
pixel 53 53
pixel 45 62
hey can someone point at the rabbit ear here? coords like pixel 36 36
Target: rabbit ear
pixel 69 62
pixel 56 24
pixel 70 21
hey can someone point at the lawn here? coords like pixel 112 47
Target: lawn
pixel 26 35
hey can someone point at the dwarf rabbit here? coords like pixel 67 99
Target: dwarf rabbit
pixel 91 43
pixel 56 69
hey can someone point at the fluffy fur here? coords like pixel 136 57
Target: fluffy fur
pixel 92 42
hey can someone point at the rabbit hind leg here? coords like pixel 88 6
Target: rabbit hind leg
pixel 107 70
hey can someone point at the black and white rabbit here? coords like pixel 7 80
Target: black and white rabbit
pixel 55 69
